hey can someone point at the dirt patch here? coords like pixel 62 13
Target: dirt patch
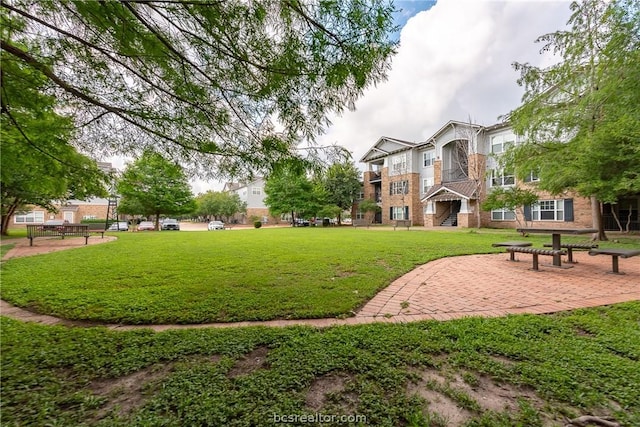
pixel 323 387
pixel 126 394
pixel 129 393
pixel 442 405
pixel 251 362
pixel 440 391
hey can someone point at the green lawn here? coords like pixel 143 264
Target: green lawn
pixel 516 371
pixel 524 371
pixel 196 277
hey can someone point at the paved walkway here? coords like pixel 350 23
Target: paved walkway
pixel 448 288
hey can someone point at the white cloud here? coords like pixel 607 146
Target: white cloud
pixel 454 62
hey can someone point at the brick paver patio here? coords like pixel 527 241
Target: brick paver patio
pixel 448 288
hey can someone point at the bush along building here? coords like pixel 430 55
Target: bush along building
pixel 444 180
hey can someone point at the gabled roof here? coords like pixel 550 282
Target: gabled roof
pixel 445 128
pixel 385 146
pixel 451 191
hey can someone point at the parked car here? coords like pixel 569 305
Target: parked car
pixel 146 226
pixel 170 224
pixel 119 226
pixel 301 222
pixel 215 225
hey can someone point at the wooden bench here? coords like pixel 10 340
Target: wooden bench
pixel 570 247
pixel 535 252
pixel 513 243
pixel 79 230
pixel 97 228
pixel 402 223
pixel 360 223
pixel 615 254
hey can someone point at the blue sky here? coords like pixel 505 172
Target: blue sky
pixel 408 8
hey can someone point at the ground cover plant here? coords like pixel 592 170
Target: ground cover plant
pixel 194 277
pixel 521 370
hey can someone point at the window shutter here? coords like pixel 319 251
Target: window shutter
pixel 406 212
pixel 527 177
pixel 527 212
pixel 390 213
pixel 568 210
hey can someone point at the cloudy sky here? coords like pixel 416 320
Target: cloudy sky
pixel 453 63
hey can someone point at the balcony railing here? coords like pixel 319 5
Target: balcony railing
pixel 453 175
pixel 375 176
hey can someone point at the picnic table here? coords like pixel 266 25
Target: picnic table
pixel 556 234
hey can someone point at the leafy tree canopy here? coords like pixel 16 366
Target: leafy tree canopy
pixel 39 163
pixel 216 204
pixel 342 185
pixel 231 87
pixel 581 116
pixel 154 186
pixel 291 191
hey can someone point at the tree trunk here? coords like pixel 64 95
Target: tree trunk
pixel 11 209
pixel 598 224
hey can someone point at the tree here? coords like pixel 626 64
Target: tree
pixel 39 164
pixel 370 208
pixel 342 185
pixel 291 191
pixel 213 78
pixel 219 204
pixel 153 186
pixel 581 116
pixel 512 199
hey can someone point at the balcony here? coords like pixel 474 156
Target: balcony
pixel 375 176
pixel 454 175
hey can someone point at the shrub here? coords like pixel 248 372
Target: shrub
pixel 257 224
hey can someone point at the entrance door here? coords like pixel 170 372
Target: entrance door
pixel 68 216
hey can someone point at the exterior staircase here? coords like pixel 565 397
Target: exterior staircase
pixel 451 221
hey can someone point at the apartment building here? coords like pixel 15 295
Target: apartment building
pixel 442 182
pixel 252 193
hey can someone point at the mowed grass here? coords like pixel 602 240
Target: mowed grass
pixel 528 371
pixel 197 277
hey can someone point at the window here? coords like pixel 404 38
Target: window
pixel 501 178
pixel 399 164
pixel 256 191
pixel 399 187
pixel 33 217
pixel 89 217
pixel 548 210
pixel 502 215
pixel 428 158
pixel 399 212
pixel 427 183
pixel 360 214
pixel 360 195
pixel 500 143
pixel 532 177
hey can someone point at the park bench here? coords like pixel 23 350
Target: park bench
pixel 615 254
pixel 360 223
pixel 535 252
pixel 513 243
pixel 570 247
pixel 402 223
pixel 73 230
pixel 97 228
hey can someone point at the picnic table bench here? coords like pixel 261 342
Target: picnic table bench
pixel 615 254
pixel 402 223
pixel 535 252
pixel 42 230
pixel 361 223
pixel 512 243
pixel 97 228
pixel 570 247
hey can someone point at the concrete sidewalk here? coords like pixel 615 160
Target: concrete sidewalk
pixel 448 288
